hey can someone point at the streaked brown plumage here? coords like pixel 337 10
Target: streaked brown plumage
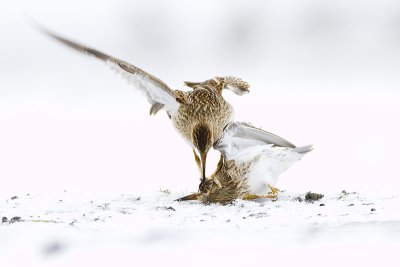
pixel 199 115
pixel 233 184
pixel 250 164
pixel 204 113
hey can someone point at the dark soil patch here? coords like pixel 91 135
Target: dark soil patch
pixel 311 197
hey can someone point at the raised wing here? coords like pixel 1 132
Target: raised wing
pixel 158 93
pixel 241 141
pixel 243 134
pixel 238 136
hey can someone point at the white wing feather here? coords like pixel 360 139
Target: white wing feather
pixel 239 135
pixel 157 92
pixel 270 154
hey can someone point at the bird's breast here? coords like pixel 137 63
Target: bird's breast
pixel 202 107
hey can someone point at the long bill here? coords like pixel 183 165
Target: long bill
pixel 194 196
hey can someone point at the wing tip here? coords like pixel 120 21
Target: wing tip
pixel 303 149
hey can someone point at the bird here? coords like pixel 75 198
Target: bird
pixel 199 115
pixel 249 167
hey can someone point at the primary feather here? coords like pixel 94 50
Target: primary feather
pixel 199 115
pixel 157 92
pixel 269 154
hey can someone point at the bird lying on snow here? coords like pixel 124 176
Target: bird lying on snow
pixel 250 164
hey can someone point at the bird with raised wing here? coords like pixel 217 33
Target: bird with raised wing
pixel 199 115
pixel 251 162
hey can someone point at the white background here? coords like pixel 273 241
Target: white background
pixel 321 72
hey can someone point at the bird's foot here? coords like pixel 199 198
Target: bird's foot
pixel 274 191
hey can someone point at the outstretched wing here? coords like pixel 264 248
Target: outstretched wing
pixel 158 93
pixel 241 134
pixel 238 136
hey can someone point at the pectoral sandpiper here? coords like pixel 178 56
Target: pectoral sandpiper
pixel 250 165
pixel 199 115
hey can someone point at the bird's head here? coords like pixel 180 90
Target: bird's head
pixel 202 141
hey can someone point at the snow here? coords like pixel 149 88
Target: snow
pixel 150 228
pixel 320 74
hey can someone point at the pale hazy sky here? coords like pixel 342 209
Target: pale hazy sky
pixel 322 73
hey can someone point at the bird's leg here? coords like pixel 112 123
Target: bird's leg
pixel 250 197
pixel 197 159
pixel 214 175
pixel 199 166
pixel 273 194
pixel 203 159
pixel 274 191
pixel 253 197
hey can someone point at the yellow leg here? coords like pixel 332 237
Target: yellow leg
pixel 219 166
pixel 214 175
pixel 252 197
pixel 197 159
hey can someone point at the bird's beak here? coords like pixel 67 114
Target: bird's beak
pixel 189 197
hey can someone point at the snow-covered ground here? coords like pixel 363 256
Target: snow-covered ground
pixel 321 73
pixel 81 229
